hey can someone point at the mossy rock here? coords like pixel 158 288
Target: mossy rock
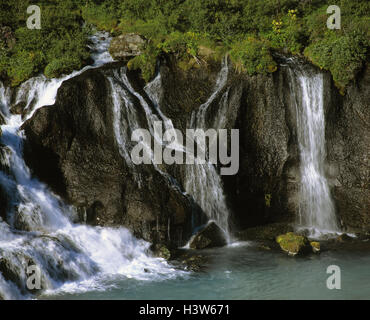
pixel 161 251
pixel 292 243
pixel 315 246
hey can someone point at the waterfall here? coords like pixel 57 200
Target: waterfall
pixel 38 228
pixel 316 210
pixel 202 181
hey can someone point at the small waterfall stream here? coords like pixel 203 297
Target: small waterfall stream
pixel 316 211
pixel 202 181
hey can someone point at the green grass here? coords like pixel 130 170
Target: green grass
pixel 249 30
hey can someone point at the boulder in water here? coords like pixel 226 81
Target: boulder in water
pixel 315 245
pixel 161 251
pixel 210 236
pixel 293 244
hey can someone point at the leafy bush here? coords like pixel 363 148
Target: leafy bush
pixel 102 16
pixel 248 29
pixel 343 55
pixel 146 62
pixel 60 66
pixel 287 33
pixel 60 41
pixel 252 56
pixel 21 66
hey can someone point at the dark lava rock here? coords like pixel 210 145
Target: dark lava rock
pixel 266 232
pixel 210 236
pixel 348 148
pixel 18 108
pixel 72 147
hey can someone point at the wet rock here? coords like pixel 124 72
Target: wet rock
pixel 73 148
pixel 348 148
pixel 9 272
pixel 344 238
pixel 126 46
pixel 264 247
pixel 210 236
pixel 18 108
pixel 161 251
pixel 267 232
pixel 293 244
pixel 315 246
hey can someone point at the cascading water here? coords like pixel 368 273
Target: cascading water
pixel 316 206
pixel 38 228
pixel 202 180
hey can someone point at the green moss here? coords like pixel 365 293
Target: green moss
pixel 315 246
pixel 291 243
pixel 268 200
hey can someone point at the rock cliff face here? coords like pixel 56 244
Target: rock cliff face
pixel 348 141
pixel 71 146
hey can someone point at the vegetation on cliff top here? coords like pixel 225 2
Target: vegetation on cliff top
pixel 248 30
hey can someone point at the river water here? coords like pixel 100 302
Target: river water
pixel 247 272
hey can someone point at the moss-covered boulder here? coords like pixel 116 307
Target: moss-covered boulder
pixel 126 46
pixel 293 244
pixel 161 251
pixel 315 245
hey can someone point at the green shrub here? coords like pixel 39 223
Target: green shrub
pixel 103 16
pixel 342 55
pixel 287 33
pixel 21 67
pixel 146 62
pixel 252 56
pixel 249 29
pixel 60 66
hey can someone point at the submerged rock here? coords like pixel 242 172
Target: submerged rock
pixel 209 237
pixel 344 238
pixel 293 244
